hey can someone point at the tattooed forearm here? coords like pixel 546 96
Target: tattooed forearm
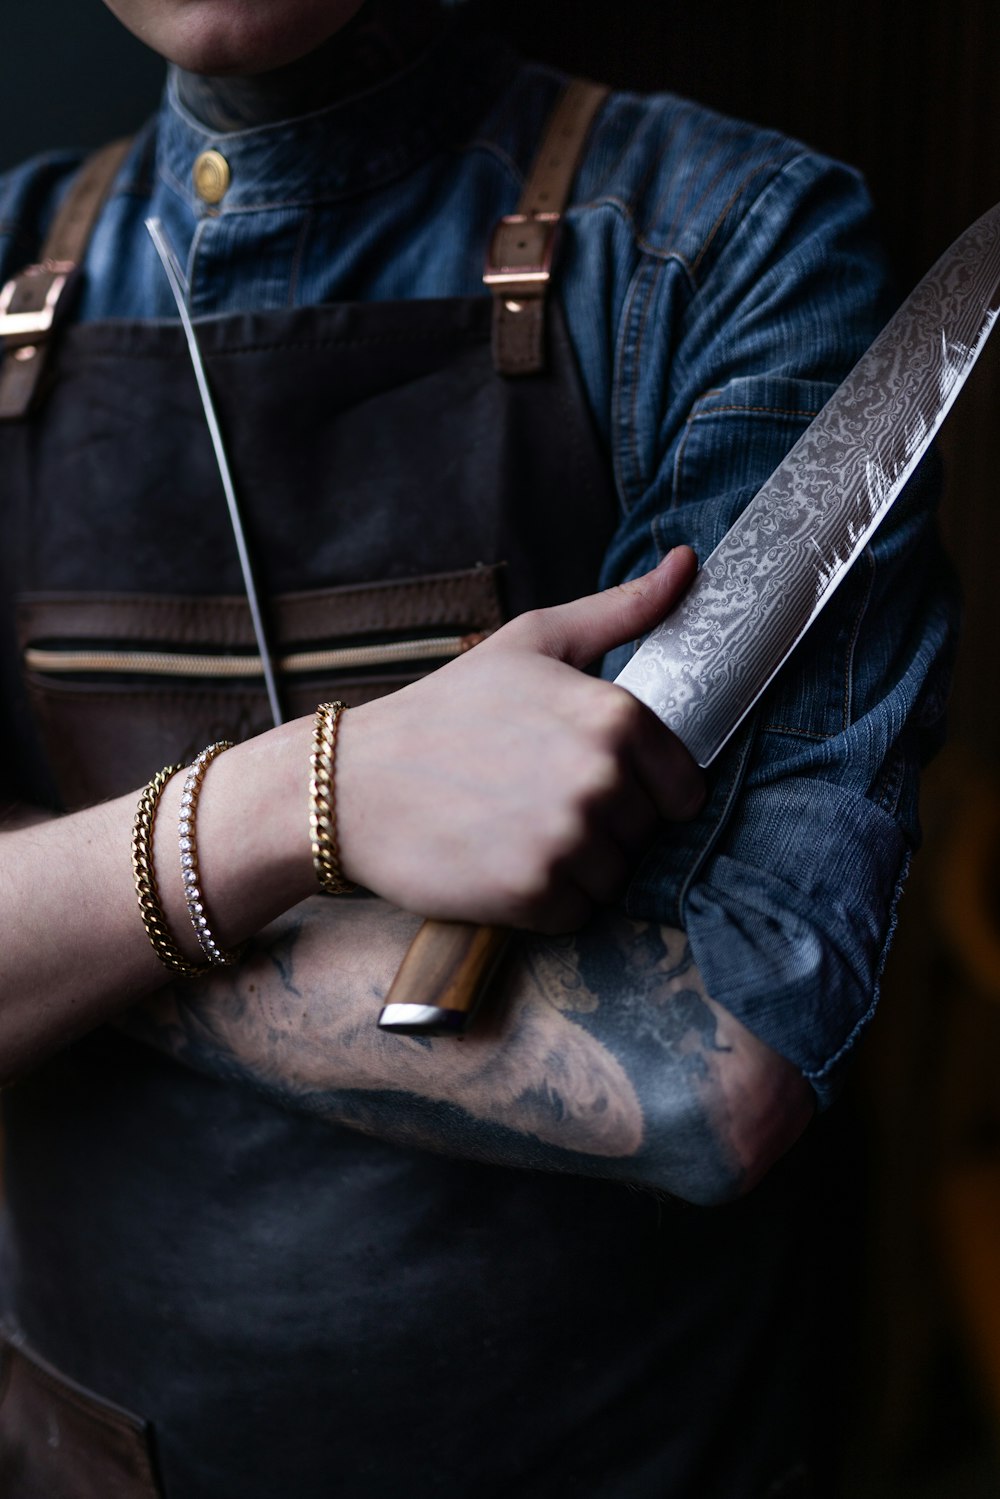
pixel 604 1055
pixel 636 987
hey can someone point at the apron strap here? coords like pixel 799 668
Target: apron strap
pixel 32 302
pixel 519 264
pixel 518 270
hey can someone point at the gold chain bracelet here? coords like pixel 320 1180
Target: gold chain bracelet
pixel 323 800
pixel 146 889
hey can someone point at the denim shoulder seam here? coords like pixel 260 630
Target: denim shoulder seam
pixel 629 341
pixel 630 335
pixel 774 168
pixel 777 171
pixel 643 247
pixel 620 429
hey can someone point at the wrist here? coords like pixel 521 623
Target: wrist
pixel 252 834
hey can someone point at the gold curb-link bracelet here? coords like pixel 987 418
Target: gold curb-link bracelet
pixel 146 888
pixel 323 800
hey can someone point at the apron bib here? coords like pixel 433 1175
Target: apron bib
pixel 292 1308
pixel 400 499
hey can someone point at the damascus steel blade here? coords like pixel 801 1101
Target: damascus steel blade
pixel 703 668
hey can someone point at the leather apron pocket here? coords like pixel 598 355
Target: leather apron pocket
pixel 121 684
pixel 59 1441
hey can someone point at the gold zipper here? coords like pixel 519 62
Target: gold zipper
pixel 298 663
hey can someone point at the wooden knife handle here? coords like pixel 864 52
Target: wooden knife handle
pixel 443 977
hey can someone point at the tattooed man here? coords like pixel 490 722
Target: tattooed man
pixel 253 1245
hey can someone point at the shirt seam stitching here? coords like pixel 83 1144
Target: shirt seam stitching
pixel 776 168
pixel 704 413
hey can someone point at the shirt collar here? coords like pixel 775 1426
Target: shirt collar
pixel 354 145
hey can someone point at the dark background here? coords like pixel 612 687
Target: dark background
pixel 893 86
pixel 906 90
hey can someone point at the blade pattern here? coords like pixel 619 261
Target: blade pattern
pixel 704 667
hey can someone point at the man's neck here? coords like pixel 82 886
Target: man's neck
pixel 382 39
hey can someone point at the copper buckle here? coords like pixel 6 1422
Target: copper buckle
pixel 18 325
pixel 521 253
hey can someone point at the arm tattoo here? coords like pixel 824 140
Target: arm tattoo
pixel 602 1058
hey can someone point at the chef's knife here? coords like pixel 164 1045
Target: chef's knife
pixel 702 669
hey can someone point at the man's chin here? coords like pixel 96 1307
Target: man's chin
pixel 234 38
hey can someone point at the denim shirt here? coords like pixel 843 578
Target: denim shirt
pixel 718 281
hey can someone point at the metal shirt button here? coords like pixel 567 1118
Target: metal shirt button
pixel 211 176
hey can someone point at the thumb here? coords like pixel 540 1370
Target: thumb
pixel 581 631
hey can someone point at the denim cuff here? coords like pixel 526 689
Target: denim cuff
pixel 791 920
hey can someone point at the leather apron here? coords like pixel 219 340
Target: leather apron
pixel 264 1303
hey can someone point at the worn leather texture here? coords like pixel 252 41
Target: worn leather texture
pixel 102 732
pixel 116 500
pixel 60 1441
pixel 519 317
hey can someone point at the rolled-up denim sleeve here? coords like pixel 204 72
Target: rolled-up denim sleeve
pixel 792 911
pixel 788 883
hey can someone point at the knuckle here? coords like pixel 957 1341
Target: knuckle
pixel 602 782
pixel 527 629
pixel 619 718
pixel 565 834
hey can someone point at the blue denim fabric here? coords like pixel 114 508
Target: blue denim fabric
pixel 718 281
